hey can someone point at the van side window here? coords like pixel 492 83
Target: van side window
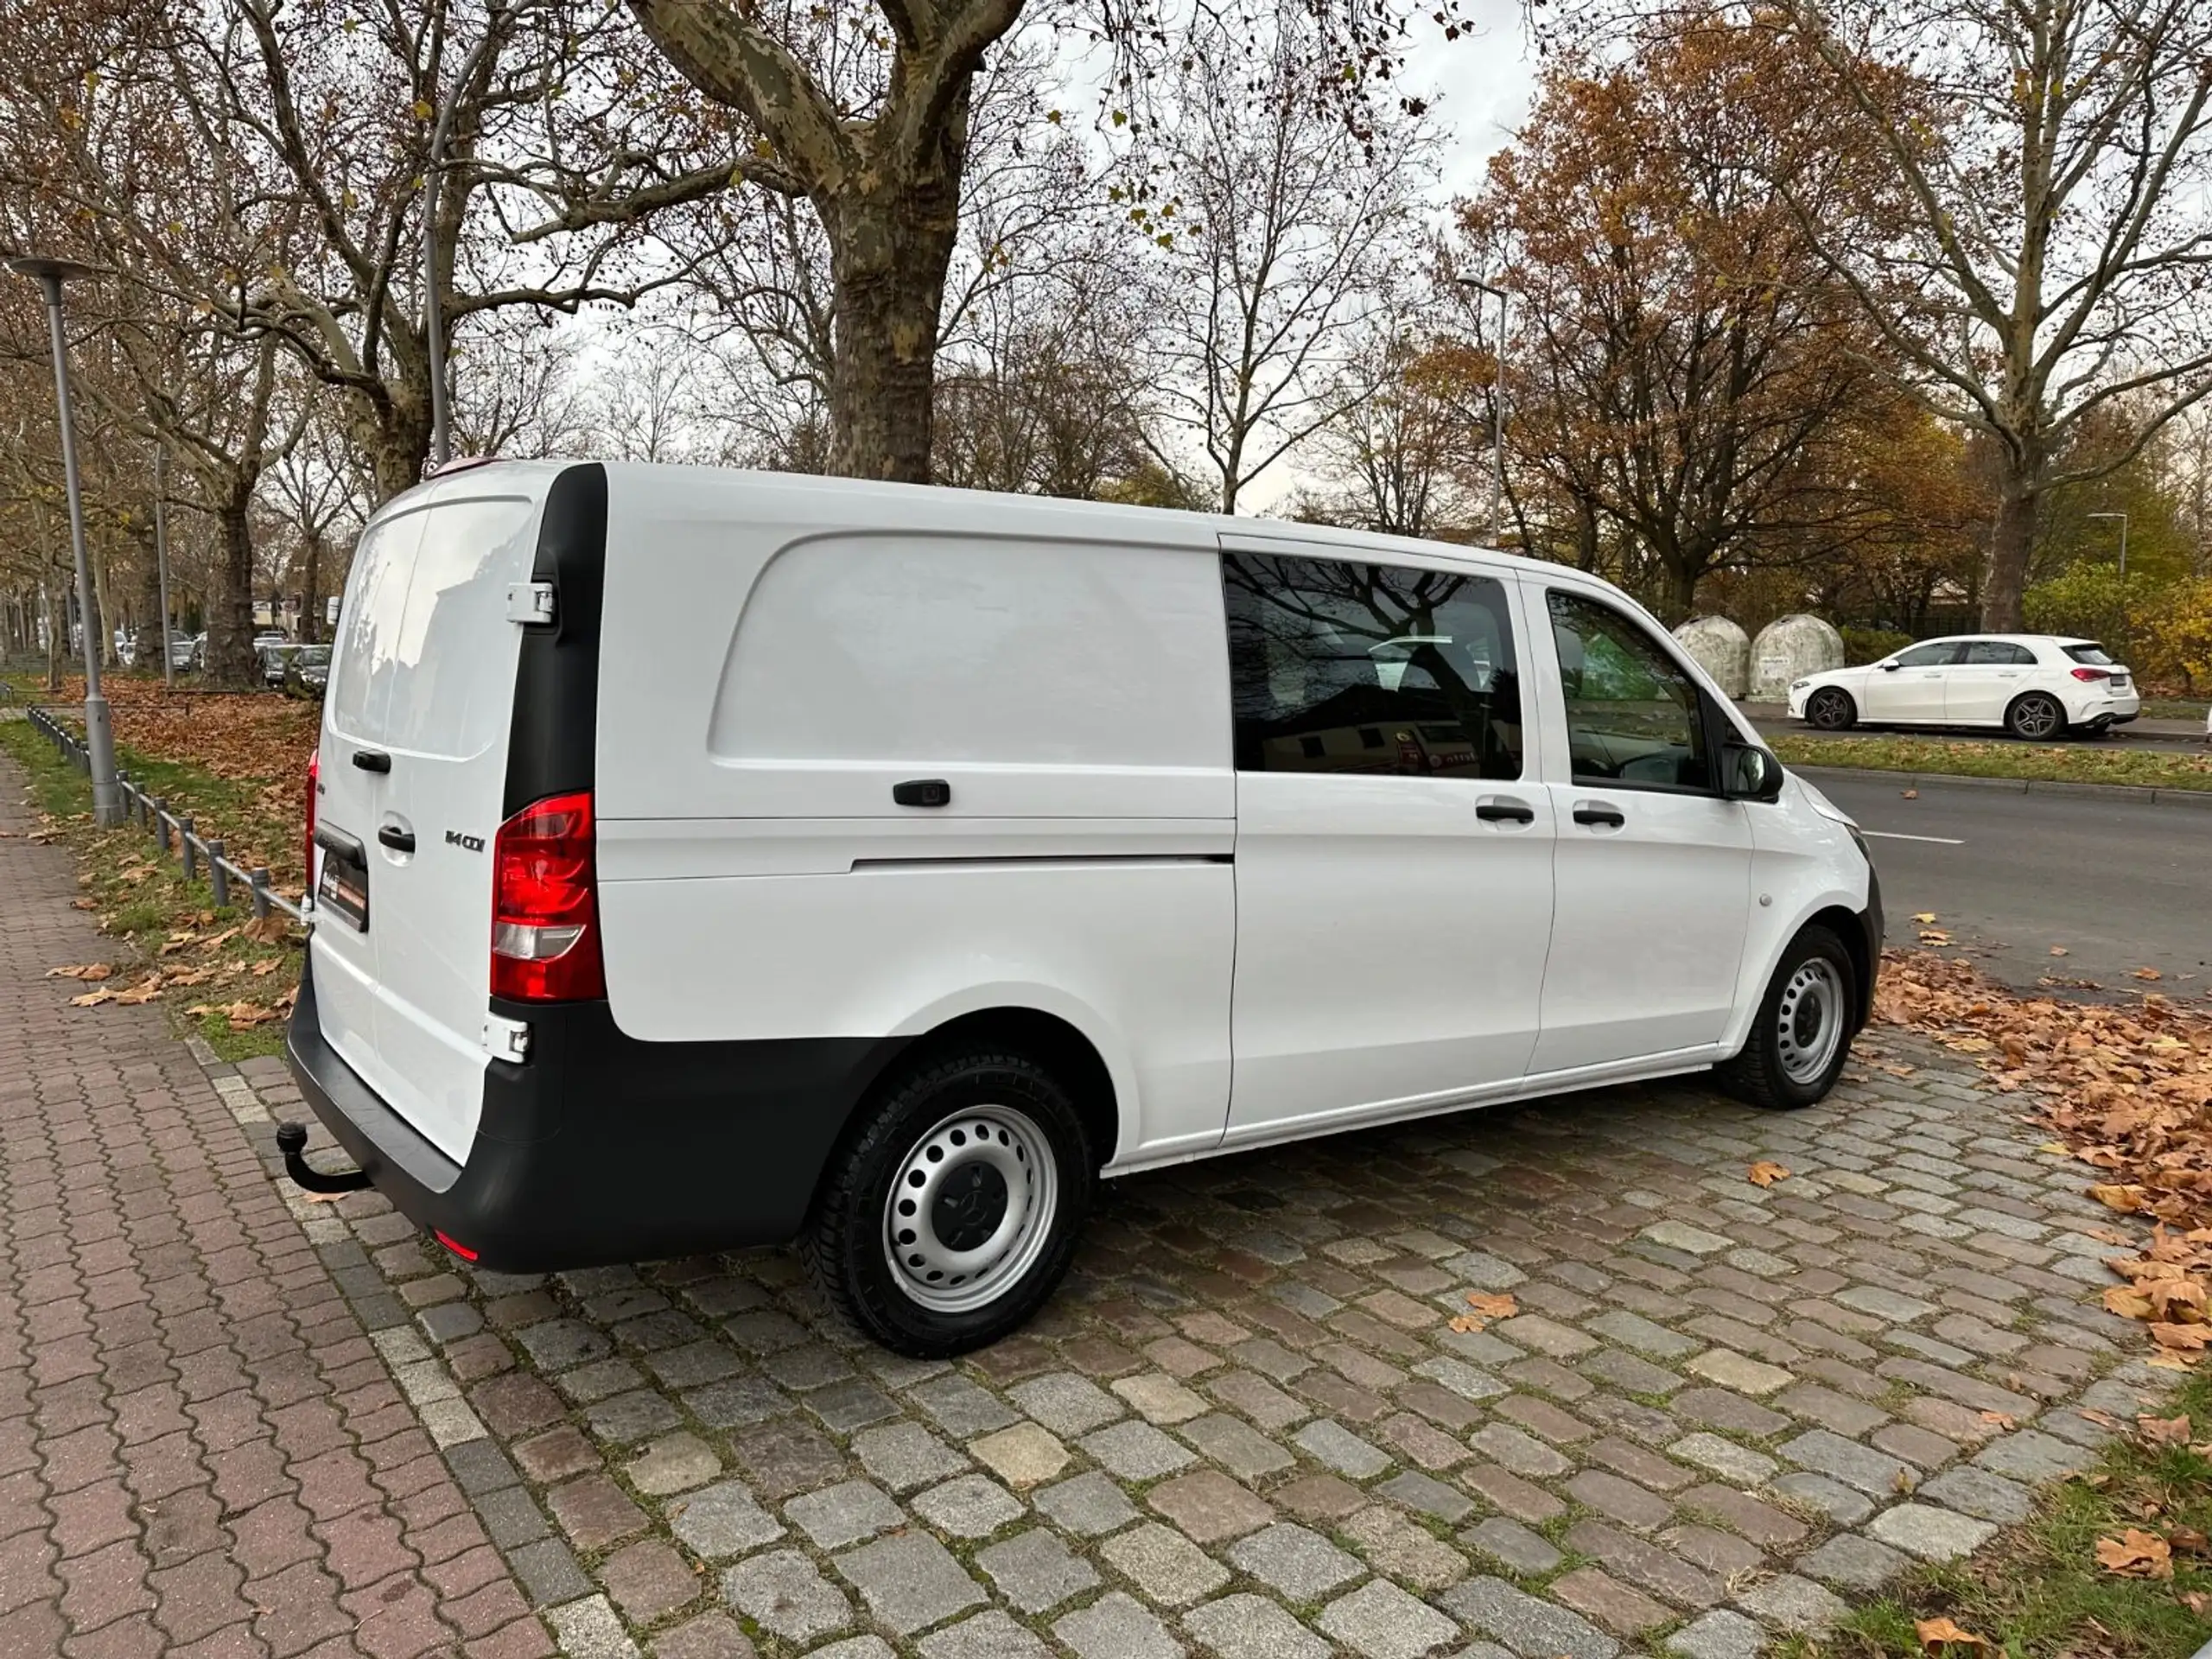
pixel 1341 667
pixel 1633 718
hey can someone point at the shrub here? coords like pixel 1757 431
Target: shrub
pixel 1862 645
pixel 2091 601
pixel 2177 635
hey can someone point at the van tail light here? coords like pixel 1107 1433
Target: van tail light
pixel 307 846
pixel 545 905
pixel 2093 674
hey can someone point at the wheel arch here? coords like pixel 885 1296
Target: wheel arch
pixel 1050 1038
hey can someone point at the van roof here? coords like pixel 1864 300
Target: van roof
pixel 798 498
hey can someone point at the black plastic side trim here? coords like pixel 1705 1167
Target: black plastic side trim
pixel 601 1148
pixel 552 741
pixel 1871 919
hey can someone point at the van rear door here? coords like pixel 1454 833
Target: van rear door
pixel 422 689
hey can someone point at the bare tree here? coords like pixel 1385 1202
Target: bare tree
pixel 1276 223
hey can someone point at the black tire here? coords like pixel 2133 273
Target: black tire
pixel 1771 1070
pixel 1831 709
pixel 1024 1114
pixel 2035 717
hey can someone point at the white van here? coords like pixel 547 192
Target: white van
pixel 705 858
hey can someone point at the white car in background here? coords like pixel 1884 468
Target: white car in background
pixel 2033 685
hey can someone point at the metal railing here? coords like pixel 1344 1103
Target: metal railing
pixel 175 832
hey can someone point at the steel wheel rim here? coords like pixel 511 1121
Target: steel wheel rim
pixel 1809 1024
pixel 971 1209
pixel 2036 717
pixel 1827 708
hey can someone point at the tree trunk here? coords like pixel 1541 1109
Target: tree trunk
pixel 1682 591
pixel 57 624
pixel 229 606
pixel 311 590
pixel 889 253
pixel 153 630
pixel 97 557
pixel 2011 539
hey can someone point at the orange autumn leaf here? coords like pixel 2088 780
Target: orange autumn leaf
pixel 2136 1555
pixel 2126 1200
pixel 2004 1419
pixel 2126 1301
pixel 1766 1174
pixel 2182 1338
pixel 1493 1306
pixel 1938 1635
pixel 2164 1431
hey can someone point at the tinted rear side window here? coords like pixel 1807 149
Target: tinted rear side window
pixel 2093 655
pixel 1985 652
pixel 1344 667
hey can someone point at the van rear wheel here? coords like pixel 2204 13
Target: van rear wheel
pixel 955 1211
pixel 1803 1033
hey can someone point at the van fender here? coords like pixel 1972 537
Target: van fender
pixel 1771 930
pixel 1032 996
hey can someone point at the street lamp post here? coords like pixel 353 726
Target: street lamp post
pixel 1498 414
pixel 162 556
pixel 99 735
pixel 2123 538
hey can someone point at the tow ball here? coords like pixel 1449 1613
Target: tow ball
pixel 292 1142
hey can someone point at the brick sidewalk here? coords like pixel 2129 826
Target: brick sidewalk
pixel 200 1450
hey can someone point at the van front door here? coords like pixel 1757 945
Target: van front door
pixel 1394 849
pixel 1653 871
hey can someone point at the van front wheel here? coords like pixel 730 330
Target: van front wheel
pixel 954 1213
pixel 1803 1033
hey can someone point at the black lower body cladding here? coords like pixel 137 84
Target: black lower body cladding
pixel 601 1148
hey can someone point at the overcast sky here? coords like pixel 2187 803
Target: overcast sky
pixel 1481 86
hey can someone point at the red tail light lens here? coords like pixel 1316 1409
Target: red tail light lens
pixel 2093 674
pixel 307 846
pixel 544 905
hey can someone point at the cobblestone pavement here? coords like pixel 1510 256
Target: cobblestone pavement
pixel 1245 1428
pixel 200 1450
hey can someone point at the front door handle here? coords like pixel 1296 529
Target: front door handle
pixel 1595 812
pixel 1505 812
pixel 400 841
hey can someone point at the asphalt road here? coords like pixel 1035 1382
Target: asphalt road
pixel 2118 885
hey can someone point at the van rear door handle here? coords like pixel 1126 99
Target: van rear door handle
pixel 400 841
pixel 372 761
pixel 1504 812
pixel 1598 812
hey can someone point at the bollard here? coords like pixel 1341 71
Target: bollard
pixel 219 876
pixel 184 845
pixel 161 823
pixel 260 882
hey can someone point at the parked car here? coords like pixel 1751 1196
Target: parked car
pixel 307 671
pixel 183 649
pixel 273 655
pixel 2033 685
pixel 944 852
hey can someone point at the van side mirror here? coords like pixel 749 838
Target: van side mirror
pixel 1750 772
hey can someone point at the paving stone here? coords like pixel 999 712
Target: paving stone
pixel 1793 1604
pixel 711 1636
pixel 1830 1409
pixel 1319 1497
pixel 1089 1505
pixel 1547 1336
pixel 1427 1495
pixel 1136 1451
pixel 1246 1626
pixel 674 1464
pixel 2031 1455
pixel 909 1580
pixel 783 1593
pixel 1870 1472
pixel 844 1514
pixel 1294 1561
pixel 1763 1524
pixel 1681 1235
pixel 1721 1554
pixel 1624 1501
pixel 1855 1562
pixel 591 1628
pixel 1483 1272
pixel 1887 1305
pixel 1596 1594
pixel 970 1506
pixel 1210 1507
pixel 1530 1627
pixel 740 1400
pixel 1932 1533
pixel 1160 1399
pixel 1512 1545
pixel 855 1647
pixel 1035 1572
pixel 1634 1331
pixel 1718 1409
pixel 1067 1404
pixel 1116 1626
pixel 1468 1381
pixel 1719 1635
pixel 1165 1567
pixel 1394 1544
pixel 1833 1498
pixel 1022 1456
pixel 649 1581
pixel 1725 1458
pixel 1740 1372
pixel 987 1635
pixel 961 1408
pixel 1979 1492
pixel 1332 1443
pixel 721 1521
pixel 1645 1565
pixel 1380 1621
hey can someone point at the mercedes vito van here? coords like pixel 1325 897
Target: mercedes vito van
pixel 704 858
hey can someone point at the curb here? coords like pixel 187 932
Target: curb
pixel 2140 794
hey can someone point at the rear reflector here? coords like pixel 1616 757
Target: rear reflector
pixel 544 905
pixel 454 1244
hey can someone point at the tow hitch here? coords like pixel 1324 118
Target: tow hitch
pixel 292 1142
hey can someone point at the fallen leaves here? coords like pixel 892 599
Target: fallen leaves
pixel 2136 1555
pixel 2164 1431
pixel 1766 1172
pixel 238 1014
pixel 89 970
pixel 1487 1306
pixel 2148 973
pixel 1940 1637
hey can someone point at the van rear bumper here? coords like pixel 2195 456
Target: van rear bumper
pixel 601 1149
